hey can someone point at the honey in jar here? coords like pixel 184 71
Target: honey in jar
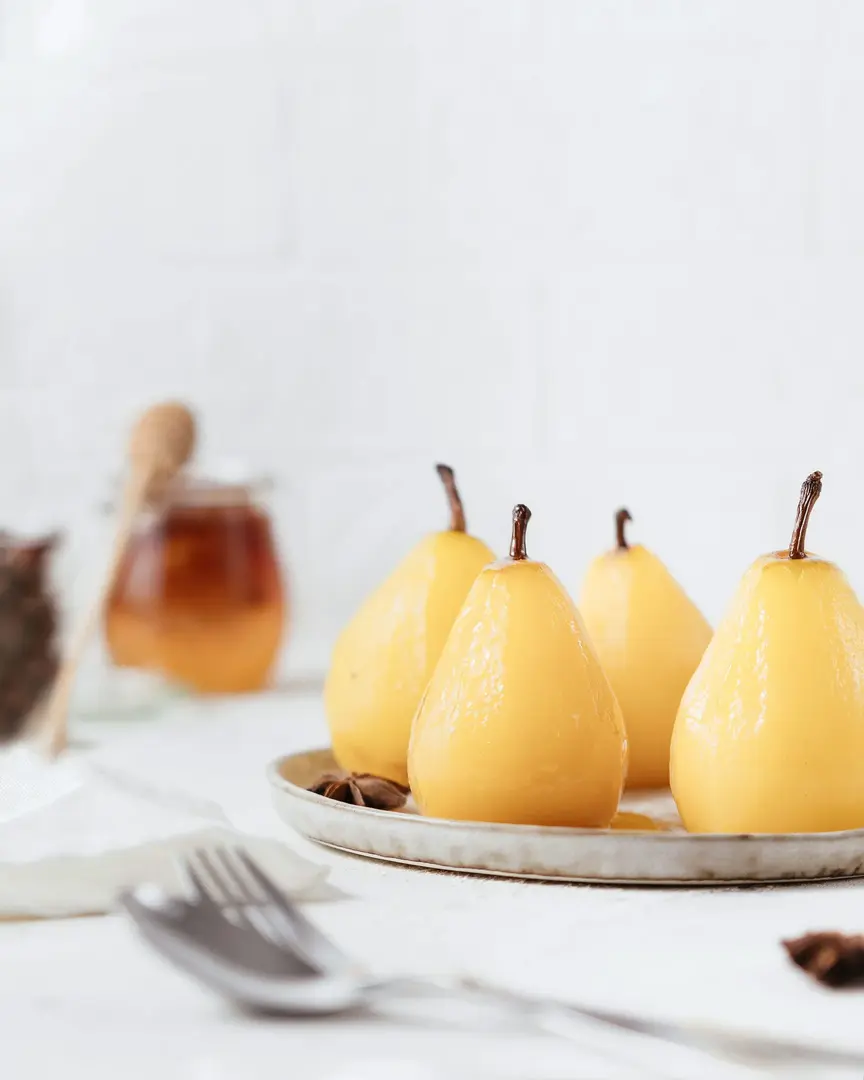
pixel 199 596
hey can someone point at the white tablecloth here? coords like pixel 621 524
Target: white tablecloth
pixel 85 997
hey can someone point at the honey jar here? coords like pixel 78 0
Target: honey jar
pixel 199 597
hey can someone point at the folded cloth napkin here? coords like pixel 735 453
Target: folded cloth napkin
pixel 73 834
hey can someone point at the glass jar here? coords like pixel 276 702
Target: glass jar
pixel 199 597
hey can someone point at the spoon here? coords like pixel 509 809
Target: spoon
pixel 161 442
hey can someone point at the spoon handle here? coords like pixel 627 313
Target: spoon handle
pixel 55 721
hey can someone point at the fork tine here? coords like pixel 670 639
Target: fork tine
pixel 204 890
pixel 270 889
pixel 221 891
pixel 231 895
pixel 237 879
pixel 255 911
pixel 307 934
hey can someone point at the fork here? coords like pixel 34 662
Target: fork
pixel 241 936
pixel 233 883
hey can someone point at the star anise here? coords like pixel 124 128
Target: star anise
pixel 832 958
pixel 362 789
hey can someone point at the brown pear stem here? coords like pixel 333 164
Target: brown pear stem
pixel 621 519
pixel 810 492
pixel 521 517
pixel 457 511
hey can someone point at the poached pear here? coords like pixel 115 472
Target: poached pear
pixel 519 723
pixel 769 737
pixel 383 658
pixel 650 637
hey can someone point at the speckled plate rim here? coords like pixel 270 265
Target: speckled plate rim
pixel 573 879
pixel 787 857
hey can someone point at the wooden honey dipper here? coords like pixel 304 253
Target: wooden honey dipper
pixel 160 444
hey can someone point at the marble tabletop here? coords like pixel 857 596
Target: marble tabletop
pixel 85 996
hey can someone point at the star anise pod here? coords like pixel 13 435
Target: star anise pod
pixel 362 789
pixel 832 958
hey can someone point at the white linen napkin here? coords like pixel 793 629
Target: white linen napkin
pixel 74 833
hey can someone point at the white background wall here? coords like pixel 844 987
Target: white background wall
pixel 588 253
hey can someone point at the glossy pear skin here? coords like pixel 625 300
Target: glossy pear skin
pixel 650 637
pixel 519 723
pixel 383 659
pixel 770 733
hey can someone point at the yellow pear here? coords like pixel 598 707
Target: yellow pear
pixel 650 637
pixel 382 660
pixel 770 734
pixel 518 723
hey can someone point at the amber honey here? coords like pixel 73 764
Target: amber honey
pixel 199 596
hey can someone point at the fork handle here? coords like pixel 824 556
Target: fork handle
pixel 675 1060
pixel 654 1054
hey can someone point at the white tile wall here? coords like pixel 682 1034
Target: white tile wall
pixel 589 253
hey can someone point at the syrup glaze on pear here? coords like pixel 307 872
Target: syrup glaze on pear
pixel 769 737
pixel 518 723
pixel 650 637
pixel 384 657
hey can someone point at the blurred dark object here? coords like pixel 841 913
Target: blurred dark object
pixel 29 647
pixel 832 958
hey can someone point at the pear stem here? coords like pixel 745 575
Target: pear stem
pixel 621 519
pixel 521 517
pixel 457 511
pixel 810 492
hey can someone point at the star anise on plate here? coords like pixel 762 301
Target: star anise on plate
pixel 362 789
pixel 832 958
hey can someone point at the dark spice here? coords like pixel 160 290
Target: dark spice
pixel 29 646
pixel 832 958
pixel 362 789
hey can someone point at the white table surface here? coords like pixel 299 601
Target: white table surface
pixel 84 996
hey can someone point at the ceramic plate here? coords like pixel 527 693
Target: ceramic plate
pixel 668 857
